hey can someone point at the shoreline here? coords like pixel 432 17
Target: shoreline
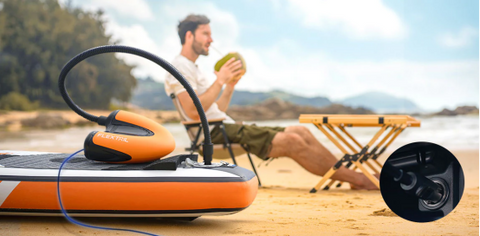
pixel 41 119
pixel 59 119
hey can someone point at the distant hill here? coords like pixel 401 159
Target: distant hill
pixel 382 103
pixel 150 94
pixel 243 98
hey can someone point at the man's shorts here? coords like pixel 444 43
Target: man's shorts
pixel 258 139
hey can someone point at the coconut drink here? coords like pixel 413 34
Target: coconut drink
pixel 237 56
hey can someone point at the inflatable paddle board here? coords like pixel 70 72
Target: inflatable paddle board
pixel 176 186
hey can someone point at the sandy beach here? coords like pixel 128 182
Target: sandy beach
pixel 284 206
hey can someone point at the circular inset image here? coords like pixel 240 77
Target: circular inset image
pixel 422 182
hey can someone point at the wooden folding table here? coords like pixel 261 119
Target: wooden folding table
pixel 362 155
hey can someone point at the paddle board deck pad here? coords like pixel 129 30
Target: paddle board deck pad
pixel 176 186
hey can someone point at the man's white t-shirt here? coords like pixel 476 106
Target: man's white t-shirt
pixel 197 80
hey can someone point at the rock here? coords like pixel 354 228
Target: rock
pixel 277 105
pixel 288 114
pixel 276 109
pixel 446 112
pixel 46 121
pixel 83 123
pixel 462 110
pixel 466 110
pixel 172 119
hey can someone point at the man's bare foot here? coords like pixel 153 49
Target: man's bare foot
pixel 365 183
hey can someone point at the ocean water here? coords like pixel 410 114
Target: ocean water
pixel 453 133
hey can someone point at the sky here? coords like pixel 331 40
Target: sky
pixel 425 51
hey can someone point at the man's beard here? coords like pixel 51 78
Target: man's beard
pixel 198 49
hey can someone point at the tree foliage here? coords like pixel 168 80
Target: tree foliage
pixel 37 37
pixel 16 101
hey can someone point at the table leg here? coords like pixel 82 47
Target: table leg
pixel 324 179
pixel 357 162
pixel 371 167
pixel 369 176
pixel 378 163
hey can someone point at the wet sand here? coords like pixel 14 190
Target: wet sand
pixel 284 206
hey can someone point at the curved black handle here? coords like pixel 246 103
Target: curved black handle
pixel 207 146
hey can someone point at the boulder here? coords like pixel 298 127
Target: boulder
pixel 466 110
pixel 461 110
pixel 46 121
pixel 446 112
pixel 277 109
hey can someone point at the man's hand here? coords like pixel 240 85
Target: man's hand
pixel 234 81
pixel 229 70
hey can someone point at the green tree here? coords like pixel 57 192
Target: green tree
pixel 37 37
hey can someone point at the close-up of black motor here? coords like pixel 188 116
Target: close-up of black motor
pixel 422 182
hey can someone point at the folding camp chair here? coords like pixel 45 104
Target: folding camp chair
pixel 396 124
pixel 220 151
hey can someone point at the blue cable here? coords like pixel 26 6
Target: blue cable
pixel 80 223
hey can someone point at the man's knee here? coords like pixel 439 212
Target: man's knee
pixel 302 130
pixel 289 142
pixel 295 139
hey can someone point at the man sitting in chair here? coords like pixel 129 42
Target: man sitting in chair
pixel 296 142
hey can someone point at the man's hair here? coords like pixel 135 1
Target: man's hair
pixel 190 23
